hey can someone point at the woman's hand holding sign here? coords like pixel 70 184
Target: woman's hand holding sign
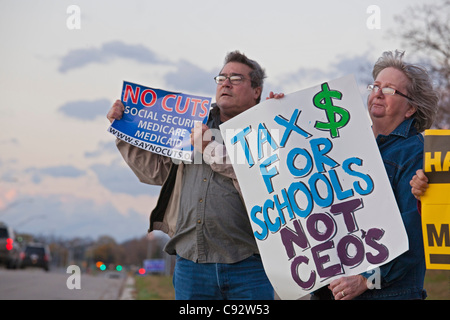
pixel 419 184
pixel 347 288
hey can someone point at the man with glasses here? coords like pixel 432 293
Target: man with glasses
pixel 200 205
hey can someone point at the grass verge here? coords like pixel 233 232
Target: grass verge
pixel 154 287
pixel 157 287
pixel 437 284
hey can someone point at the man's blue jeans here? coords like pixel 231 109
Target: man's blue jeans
pixel 245 280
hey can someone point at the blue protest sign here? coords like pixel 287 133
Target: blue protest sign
pixel 159 121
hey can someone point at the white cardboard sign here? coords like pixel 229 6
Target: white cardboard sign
pixel 315 187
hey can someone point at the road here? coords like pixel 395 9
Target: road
pixel 36 284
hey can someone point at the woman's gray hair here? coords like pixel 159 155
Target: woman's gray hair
pixel 420 88
pixel 257 75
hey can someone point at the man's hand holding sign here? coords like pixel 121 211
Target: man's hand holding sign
pixel 200 136
pixel 156 120
pixel 116 111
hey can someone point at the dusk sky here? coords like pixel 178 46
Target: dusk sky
pixel 60 171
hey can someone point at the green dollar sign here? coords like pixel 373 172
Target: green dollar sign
pixel 323 100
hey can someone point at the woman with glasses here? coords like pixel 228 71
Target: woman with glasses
pixel 401 104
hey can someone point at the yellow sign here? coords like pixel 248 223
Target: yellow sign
pixel 436 201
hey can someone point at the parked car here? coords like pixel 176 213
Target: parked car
pixel 9 247
pixel 35 255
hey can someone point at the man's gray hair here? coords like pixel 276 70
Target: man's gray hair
pixel 257 75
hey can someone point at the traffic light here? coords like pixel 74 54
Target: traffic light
pixel 100 265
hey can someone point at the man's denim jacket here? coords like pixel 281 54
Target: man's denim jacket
pixel 402 154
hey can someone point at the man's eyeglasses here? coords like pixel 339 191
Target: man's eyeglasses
pixel 234 79
pixel 386 91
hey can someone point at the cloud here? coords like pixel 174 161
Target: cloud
pixel 73 217
pixel 56 172
pixel 359 65
pixel 187 77
pixel 109 51
pixel 108 147
pixel 8 177
pixel 120 179
pixel 10 141
pixel 190 78
pixel 86 110
pixel 62 171
pixel 137 53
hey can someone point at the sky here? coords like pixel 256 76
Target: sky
pixel 61 70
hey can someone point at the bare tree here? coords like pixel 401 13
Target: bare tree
pixel 425 30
